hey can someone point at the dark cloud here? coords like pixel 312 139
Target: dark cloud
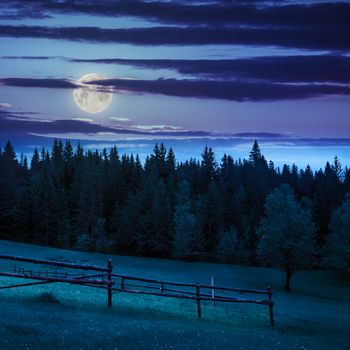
pixel 11 123
pixel 324 38
pixel 215 89
pixel 25 135
pixel 254 13
pixel 30 57
pixel 304 68
pixel 33 82
pixel 17 10
pixel 260 135
pixel 226 90
pixel 15 125
pixel 20 123
pixel 294 69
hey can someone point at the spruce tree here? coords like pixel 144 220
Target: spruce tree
pixel 208 167
pixel 337 248
pixel 189 241
pixel 255 155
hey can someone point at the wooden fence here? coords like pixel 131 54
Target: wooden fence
pixel 104 278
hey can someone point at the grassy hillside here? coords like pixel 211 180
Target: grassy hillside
pixel 316 315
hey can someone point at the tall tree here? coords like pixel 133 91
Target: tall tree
pixel 208 167
pixel 9 182
pixel 209 211
pixel 159 235
pixel 93 200
pixel 255 155
pixel 337 248
pixel 227 251
pixel 256 187
pixel 189 241
pixel 286 233
pixel 328 196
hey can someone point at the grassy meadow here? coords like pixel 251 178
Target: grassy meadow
pixel 316 315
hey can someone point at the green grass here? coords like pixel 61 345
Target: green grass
pixel 316 315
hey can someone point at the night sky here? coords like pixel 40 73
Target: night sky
pixel 189 73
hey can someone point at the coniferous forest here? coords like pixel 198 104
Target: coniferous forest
pixel 227 210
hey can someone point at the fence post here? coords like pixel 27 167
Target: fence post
pixel 122 283
pixel 213 290
pixel 162 287
pixel 272 321
pixel 109 277
pixel 198 293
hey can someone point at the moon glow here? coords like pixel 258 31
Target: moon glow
pixel 89 98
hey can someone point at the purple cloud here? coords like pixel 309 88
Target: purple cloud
pixel 322 38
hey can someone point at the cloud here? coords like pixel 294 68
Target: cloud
pixel 4 105
pixel 24 133
pixel 120 119
pixel 225 90
pixel 205 139
pixel 20 11
pixel 88 120
pixel 260 135
pixel 298 68
pixel 35 58
pixel 254 13
pixel 153 128
pixel 198 88
pixel 36 82
pixel 293 69
pixel 118 145
pixel 323 38
pixel 11 123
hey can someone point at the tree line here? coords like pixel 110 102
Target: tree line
pixel 243 211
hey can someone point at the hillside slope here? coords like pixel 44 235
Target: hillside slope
pixel 316 315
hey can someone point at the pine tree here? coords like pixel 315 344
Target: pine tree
pixel 189 241
pixel 209 210
pixel 306 182
pixel 160 231
pixel 64 195
pixel 69 169
pixel 338 171
pixel 171 161
pixel 328 196
pixel 9 182
pixel 127 226
pixel 34 164
pixel 9 154
pixel 346 183
pixel 255 156
pixel 48 202
pixel 208 167
pixel 337 248
pixel 158 161
pixel 57 153
pixel 255 179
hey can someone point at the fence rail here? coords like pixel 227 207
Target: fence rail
pixel 115 283
pixel 54 263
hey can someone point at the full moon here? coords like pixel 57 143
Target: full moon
pixel 89 98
